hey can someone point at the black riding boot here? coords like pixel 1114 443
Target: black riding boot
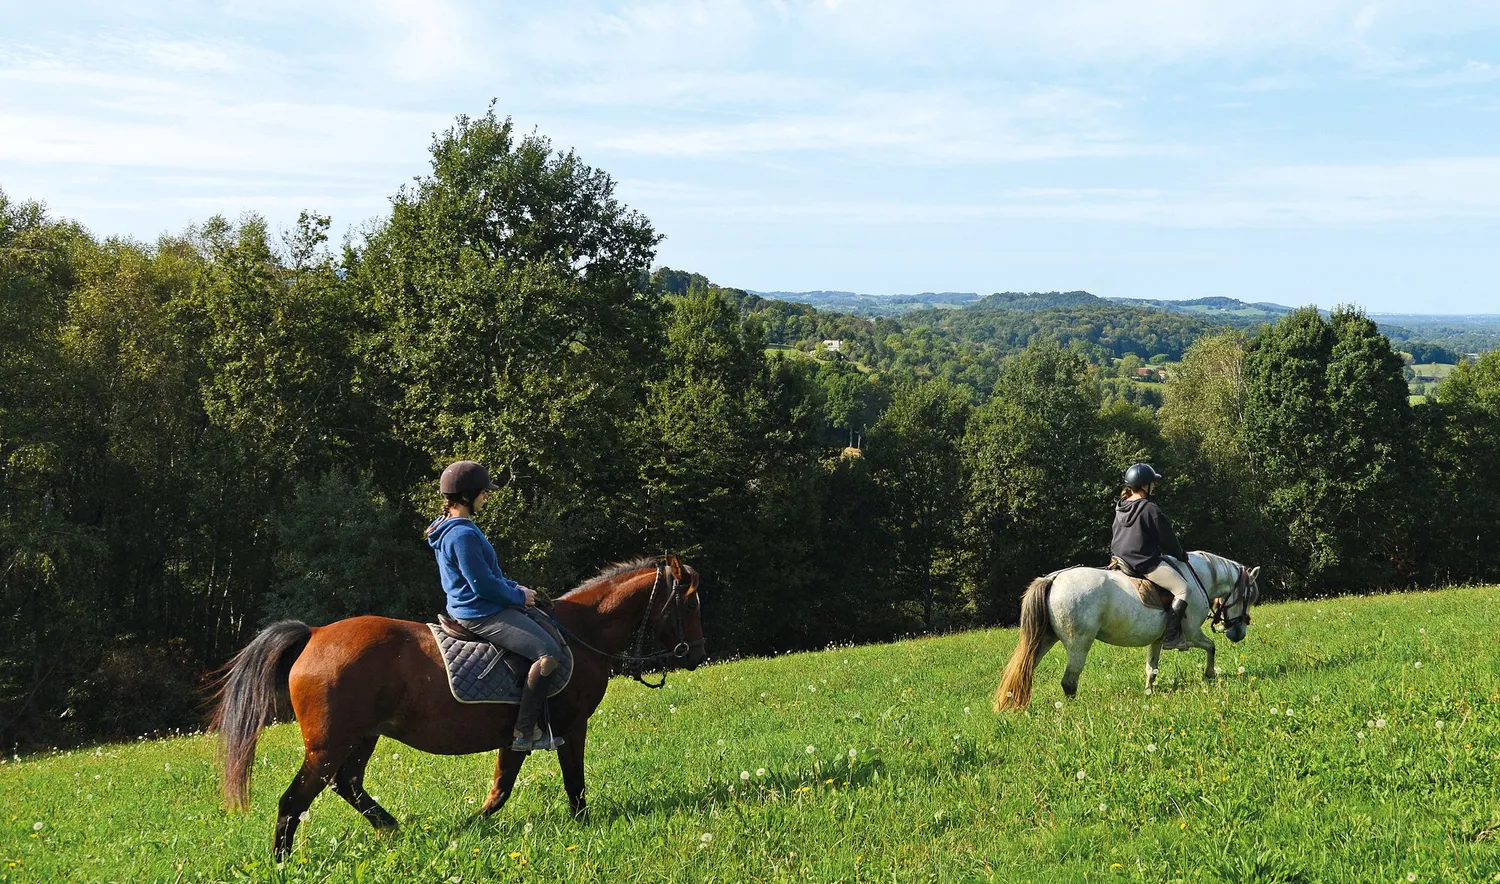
pixel 528 736
pixel 1173 640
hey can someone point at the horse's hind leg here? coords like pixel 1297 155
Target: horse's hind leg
pixel 349 783
pixel 318 770
pixel 1078 651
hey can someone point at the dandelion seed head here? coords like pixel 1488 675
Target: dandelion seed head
pixel 706 837
pixel 36 826
pixel 1082 776
pixel 303 816
pixel 744 775
pixel 811 749
pixel 1380 722
pixel 760 771
pixel 1057 705
pixel 1150 747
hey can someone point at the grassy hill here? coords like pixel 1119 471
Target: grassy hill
pixel 1331 756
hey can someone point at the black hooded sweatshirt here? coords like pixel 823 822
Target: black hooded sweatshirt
pixel 1142 533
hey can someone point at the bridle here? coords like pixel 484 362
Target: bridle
pixel 636 662
pixel 1239 596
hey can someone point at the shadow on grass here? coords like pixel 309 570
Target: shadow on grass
pixel 772 788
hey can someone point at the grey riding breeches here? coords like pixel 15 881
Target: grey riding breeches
pixel 1170 579
pixel 514 630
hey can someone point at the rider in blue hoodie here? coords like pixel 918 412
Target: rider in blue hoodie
pixel 483 599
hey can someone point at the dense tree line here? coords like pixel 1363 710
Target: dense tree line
pixel 225 427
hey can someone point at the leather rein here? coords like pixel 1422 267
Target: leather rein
pixel 636 662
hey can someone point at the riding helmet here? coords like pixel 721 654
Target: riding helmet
pixel 465 477
pixel 1141 475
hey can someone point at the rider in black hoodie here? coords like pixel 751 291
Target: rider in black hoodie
pixel 1142 538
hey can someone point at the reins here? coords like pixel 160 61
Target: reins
pixel 636 662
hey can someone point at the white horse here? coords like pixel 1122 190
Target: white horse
pixel 1078 605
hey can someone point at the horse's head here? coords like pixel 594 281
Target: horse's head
pixel 1235 612
pixel 680 623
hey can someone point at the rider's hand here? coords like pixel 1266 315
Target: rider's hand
pixel 530 596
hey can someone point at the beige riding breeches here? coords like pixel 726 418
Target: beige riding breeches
pixel 1170 579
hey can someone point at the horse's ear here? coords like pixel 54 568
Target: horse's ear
pixel 674 565
pixel 692 584
pixel 1255 572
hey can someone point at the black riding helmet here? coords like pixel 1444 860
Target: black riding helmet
pixel 466 477
pixel 1140 475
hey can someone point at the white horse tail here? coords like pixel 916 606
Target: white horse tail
pixel 1036 634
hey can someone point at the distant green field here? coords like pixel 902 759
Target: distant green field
pixel 1350 740
pixel 1433 371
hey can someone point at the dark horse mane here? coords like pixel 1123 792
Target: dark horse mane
pixel 612 571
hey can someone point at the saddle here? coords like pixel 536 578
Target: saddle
pixel 479 672
pixel 1152 596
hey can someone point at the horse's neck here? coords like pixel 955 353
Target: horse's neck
pixel 607 616
pixel 1215 573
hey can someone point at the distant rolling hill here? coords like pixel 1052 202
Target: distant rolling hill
pixel 1461 333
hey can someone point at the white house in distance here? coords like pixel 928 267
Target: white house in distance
pixel 834 346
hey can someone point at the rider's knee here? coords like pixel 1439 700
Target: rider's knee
pixel 546 665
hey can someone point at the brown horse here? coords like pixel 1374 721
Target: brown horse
pixel 352 682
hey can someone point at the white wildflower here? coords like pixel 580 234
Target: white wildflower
pixel 303 816
pixel 1380 722
pixel 1082 776
pixel 1150 747
pixel 1057 705
pixel 706 837
pixel 744 774
pixel 36 826
pixel 760 771
pixel 811 749
pixel 1438 724
pixel 1242 670
pixel 1417 665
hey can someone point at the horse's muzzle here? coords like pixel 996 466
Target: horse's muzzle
pixel 1235 633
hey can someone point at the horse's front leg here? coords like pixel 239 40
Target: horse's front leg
pixel 1198 639
pixel 1153 662
pixel 570 759
pixel 507 766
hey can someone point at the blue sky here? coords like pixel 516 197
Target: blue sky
pixel 1298 151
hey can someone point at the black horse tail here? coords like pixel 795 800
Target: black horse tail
pixel 253 684
pixel 1014 691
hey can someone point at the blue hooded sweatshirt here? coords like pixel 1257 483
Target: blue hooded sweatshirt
pixel 471 573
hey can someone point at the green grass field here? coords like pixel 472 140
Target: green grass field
pixel 1360 742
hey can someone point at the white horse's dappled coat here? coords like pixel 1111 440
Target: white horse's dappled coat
pixel 1079 605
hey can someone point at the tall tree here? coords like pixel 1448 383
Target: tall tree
pixel 914 452
pixel 1038 478
pixel 510 321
